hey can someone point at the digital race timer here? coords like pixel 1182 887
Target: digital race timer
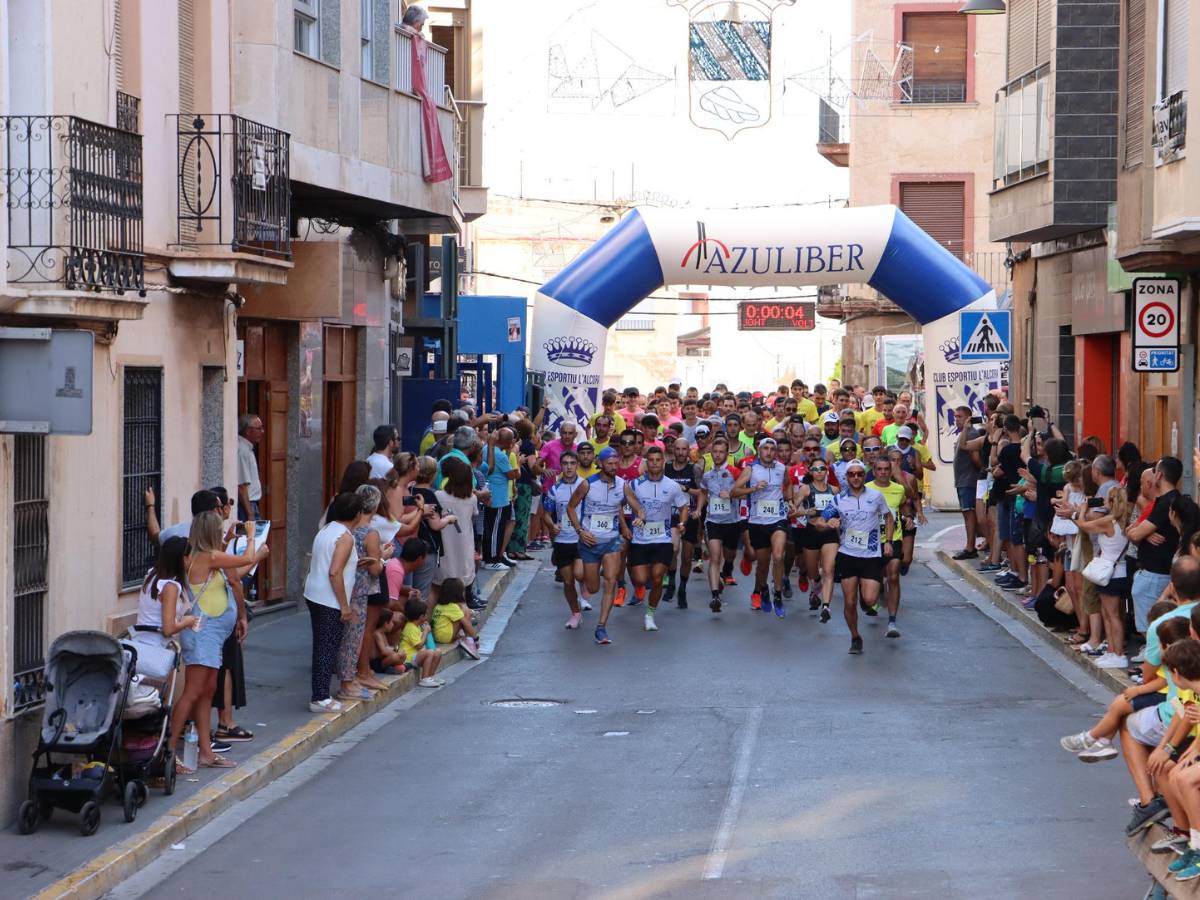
pixel 777 315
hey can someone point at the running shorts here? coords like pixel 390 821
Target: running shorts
pixel 870 567
pixel 651 554
pixel 563 555
pixel 728 533
pixel 760 535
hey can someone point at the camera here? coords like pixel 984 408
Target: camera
pixel 1095 503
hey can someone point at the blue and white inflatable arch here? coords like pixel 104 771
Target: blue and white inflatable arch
pixel 650 248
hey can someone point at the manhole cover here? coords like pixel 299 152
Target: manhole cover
pixel 522 703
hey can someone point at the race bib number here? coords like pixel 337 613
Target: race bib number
pixel 821 501
pixel 767 508
pixel 655 529
pixel 600 523
pixel 858 540
pixel 719 506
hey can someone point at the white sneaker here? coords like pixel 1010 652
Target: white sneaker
pixel 1102 749
pixel 430 682
pixel 1076 743
pixel 648 621
pixel 495 567
pixel 574 621
pixel 584 606
pixel 328 705
pixel 1139 659
pixel 1111 661
pixel 468 647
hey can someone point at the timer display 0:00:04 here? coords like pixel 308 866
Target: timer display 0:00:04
pixel 799 316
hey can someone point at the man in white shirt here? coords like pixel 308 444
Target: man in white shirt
pixel 250 432
pixel 385 442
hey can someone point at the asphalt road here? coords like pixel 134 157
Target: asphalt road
pixel 723 756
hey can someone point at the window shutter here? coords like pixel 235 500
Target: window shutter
pixel 118 51
pixel 1022 37
pixel 1045 31
pixel 331 32
pixel 1175 47
pixel 939 43
pixel 939 207
pixel 1135 82
pixel 381 40
pixel 187 103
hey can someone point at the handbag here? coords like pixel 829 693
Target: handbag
pixel 1100 570
pixel 1062 602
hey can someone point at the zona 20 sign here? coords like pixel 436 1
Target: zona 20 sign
pixel 1155 325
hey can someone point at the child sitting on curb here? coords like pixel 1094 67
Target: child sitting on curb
pixel 412 644
pixel 412 557
pixel 1096 743
pixel 452 619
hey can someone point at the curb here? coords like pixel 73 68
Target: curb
pixel 1114 679
pixel 1156 863
pixel 173 826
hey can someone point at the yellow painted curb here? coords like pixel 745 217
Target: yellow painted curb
pixel 172 826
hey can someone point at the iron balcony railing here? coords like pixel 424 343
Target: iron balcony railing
pixel 73 192
pixel 1022 137
pixel 128 110
pixel 920 91
pixel 234 185
pixel 831 126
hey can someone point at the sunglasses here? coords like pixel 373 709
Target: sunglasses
pixel 855 475
pixel 628 443
pixel 818 469
pixel 812 447
pixel 871 449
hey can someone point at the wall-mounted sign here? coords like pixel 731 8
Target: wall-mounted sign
pixel 1155 325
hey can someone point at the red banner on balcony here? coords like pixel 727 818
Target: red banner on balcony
pixel 434 164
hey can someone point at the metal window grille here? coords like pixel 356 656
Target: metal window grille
pixel 31 551
pixel 1066 383
pixel 128 110
pixel 635 323
pixel 142 468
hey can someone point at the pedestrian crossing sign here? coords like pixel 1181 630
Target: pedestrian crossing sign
pixel 985 334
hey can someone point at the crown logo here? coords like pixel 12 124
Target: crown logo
pixel 572 352
pixel 950 350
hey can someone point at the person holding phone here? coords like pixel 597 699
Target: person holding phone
pixel 966 473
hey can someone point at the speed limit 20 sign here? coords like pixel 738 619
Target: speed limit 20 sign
pixel 1155 325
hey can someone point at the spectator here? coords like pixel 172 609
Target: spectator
pixel 412 557
pixel 608 408
pixel 327 591
pixel 498 514
pixel 1128 456
pixel 439 412
pixel 452 619
pixel 383 539
pixel 370 557
pixel 462 442
pixel 412 644
pixel 208 570
pixel 385 441
pixel 458 420
pixel 202 501
pixel 1157 540
pixel 553 450
pixel 1111 543
pixel 530 468
pixel 163 603
pixel 433 520
pixel 457 497
pixel 250 432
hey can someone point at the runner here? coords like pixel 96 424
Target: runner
pixel 653 499
pixel 723 524
pixel 687 475
pixel 600 533
pixel 858 566
pixel 764 482
pixel 820 537
pixel 914 510
pixel 629 467
pixel 565 555
pixel 896 495
pixel 847 453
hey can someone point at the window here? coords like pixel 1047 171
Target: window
pixel 939 47
pixel 364 30
pixel 142 469
pixel 1172 62
pixel 1030 29
pixel 939 207
pixel 307 27
pixel 31 557
pixel 1022 135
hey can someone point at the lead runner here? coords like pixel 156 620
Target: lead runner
pixel 653 499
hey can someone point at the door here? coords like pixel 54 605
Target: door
pixel 341 404
pixel 263 392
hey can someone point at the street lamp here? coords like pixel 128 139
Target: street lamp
pixel 983 8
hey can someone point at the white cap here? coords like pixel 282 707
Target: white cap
pixel 832 416
pixel 439 427
pixel 904 432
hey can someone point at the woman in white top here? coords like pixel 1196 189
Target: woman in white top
pixel 162 604
pixel 327 590
pixel 1109 530
pixel 458 540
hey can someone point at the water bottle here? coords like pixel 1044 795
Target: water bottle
pixel 191 747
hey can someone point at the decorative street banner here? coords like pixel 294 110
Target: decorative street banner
pixel 729 62
pixel 649 248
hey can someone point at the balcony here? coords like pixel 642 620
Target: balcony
pixel 74 218
pixel 832 141
pixel 469 194
pixel 1022 136
pixel 234 198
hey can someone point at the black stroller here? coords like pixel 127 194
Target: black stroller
pixel 145 754
pixel 88 674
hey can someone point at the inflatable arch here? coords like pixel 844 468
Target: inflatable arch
pixel 649 248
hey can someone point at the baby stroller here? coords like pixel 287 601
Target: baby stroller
pixel 146 728
pixel 87 684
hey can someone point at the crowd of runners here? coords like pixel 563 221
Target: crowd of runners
pixel 813 491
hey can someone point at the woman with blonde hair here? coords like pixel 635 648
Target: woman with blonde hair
pixel 1111 545
pixel 208 571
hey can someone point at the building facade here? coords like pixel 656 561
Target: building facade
pixel 915 130
pixel 221 195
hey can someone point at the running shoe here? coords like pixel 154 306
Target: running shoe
pixel 715 604
pixel 648 622
pixel 1111 661
pixel 990 567
pixel 619 599
pixel 1029 603
pixel 495 567
pixel 814 600
pixel 574 621
pixel 824 612
pixel 756 600
pixel 472 650
pixel 223 747
pixel 1187 859
pixel 1016 586
pixel 787 588
pixel 584 606
pixel 669 590
pixel 1006 578
pixel 681 597
pixel 1172 843
pixel 697 569
pixel 966 554
pixel 747 564
pixel 872 610
pixel 856 646
pixel 1145 816
pixel 1077 743
pixel 801 585
pixel 729 580
pixel 602 635
pixel 766 603
pixel 892 631
pixel 431 682
pixel 639 594
pixel 1098 752
pixel 780 612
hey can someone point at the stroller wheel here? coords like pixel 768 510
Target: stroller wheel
pixel 143 793
pixel 130 799
pixel 89 818
pixel 27 817
pixel 169 773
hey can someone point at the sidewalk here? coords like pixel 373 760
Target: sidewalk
pixel 57 861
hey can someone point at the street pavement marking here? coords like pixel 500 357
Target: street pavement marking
pixel 733 800
pixel 932 540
